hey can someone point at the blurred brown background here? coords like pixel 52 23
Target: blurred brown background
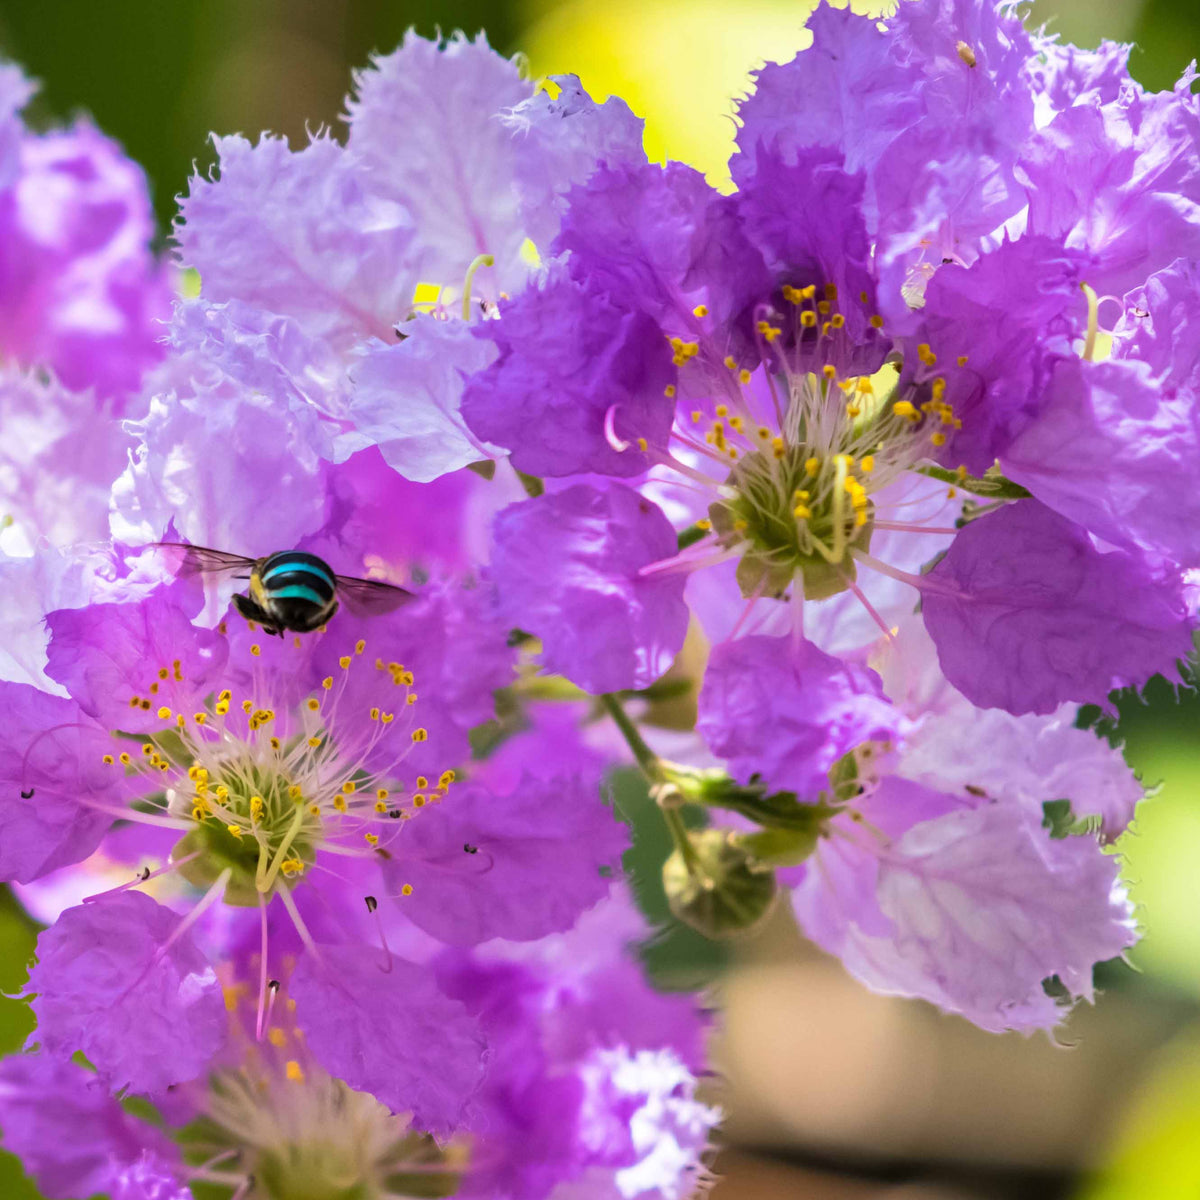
pixel 833 1093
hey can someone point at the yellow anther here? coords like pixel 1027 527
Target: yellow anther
pixel 741 525
pixel 961 360
pixel 349 787
pixel 904 408
pixel 107 760
pixel 164 713
pixel 294 1072
pixel 360 646
pixel 812 466
pixel 277 1037
pixel 697 415
pixel 339 803
pixel 831 291
pixel 965 52
pixel 180 720
pixel 865 386
pixel 163 673
pixel 764 433
pixel 447 777
pixel 247 706
pixel 225 694
pixel 406 890
pixel 256 649
pixel 124 758
pixel 743 376
pixel 234 830
pixel 704 523
pixel 315 809
pixel 200 718
pixel 722 410
pixel 314 742
pixel 938 439
pixel 824 308
pixel 808 319
pixel 701 310
pixel 344 662
pixel 802 512
pixel 372 839
pixel 422 782
pixel 256 807
pixel 829 371
pixel 327 682
pixel 418 800
pixel 643 445
pixel 381 806
pixel 867 464
pixel 730 362
pixel 876 322
pixel 669 390
pixel 388 718
pixel 295 792
pixel 961 472
pixel 837 320
pixel 778 446
pixel 420 735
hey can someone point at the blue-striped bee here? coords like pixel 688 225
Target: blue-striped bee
pixel 291 589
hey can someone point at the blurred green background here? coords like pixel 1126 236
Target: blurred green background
pixel 822 1082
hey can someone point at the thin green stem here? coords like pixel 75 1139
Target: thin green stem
pixel 646 758
pixel 683 843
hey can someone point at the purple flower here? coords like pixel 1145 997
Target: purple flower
pixel 786 712
pixel 1027 613
pixel 75 1139
pixel 572 569
pixel 80 291
pixel 965 902
pixel 124 982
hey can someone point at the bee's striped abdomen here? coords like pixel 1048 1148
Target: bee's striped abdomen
pixel 298 589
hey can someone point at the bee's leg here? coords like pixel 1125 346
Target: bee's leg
pixel 252 612
pixel 317 620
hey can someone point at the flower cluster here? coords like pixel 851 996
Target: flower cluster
pixel 330 873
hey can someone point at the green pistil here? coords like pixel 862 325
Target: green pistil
pixel 795 520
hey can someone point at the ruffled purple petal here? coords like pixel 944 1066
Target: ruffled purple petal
pixel 58 459
pixel 389 1031
pixel 229 465
pixel 455 173
pixel 1026 613
pixel 1011 314
pixel 80 291
pixel 297 233
pixel 979 907
pixel 147 1010
pixel 50 767
pixel 561 139
pixel 519 865
pixel 406 398
pixel 572 361
pixel 569 569
pixel 1120 181
pixel 787 712
pixel 631 232
pixel 951 745
pixel 74 1138
pixel 1114 450
pixel 123 662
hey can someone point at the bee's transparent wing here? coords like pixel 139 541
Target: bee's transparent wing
pixel 195 560
pixel 367 597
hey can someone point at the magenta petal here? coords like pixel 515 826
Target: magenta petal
pixel 568 568
pixel 109 655
pixel 50 765
pixel 788 712
pixel 146 1017
pixel 390 1032
pixel 71 1135
pixel 1026 613
pixel 517 866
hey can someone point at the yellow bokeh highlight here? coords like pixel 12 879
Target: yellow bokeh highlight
pixel 680 64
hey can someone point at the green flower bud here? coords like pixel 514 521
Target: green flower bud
pixel 717 886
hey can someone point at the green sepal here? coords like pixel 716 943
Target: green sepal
pixel 780 847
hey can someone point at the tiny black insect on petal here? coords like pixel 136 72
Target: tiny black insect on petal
pixel 470 849
pixel 372 903
pixel 26 793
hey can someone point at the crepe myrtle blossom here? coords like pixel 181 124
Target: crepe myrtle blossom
pixel 953 852
pixel 375 259
pixel 784 369
pixel 589 1088
pixel 81 294
pixel 278 767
